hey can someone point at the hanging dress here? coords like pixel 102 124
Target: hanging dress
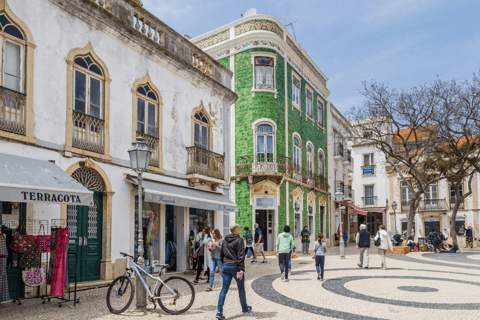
pixel 59 264
pixel 4 295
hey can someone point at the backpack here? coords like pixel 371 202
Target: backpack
pixel 430 237
pixel 378 242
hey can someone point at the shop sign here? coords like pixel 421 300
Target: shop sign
pixel 43 196
pixel 353 218
pixel 265 202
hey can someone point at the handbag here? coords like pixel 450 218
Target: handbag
pixel 33 278
pixel 43 242
pixel 378 242
pixel 31 259
pixel 22 242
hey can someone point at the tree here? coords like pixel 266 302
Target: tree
pixel 401 125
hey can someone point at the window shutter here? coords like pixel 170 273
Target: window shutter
pixel 269 77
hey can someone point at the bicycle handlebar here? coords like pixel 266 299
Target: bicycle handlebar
pixel 126 255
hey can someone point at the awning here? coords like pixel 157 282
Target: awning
pixel 36 181
pixel 158 192
pixel 356 209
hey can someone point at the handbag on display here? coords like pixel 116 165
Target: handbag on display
pixel 23 242
pixel 33 278
pixel 31 259
pixel 378 242
pixel 43 242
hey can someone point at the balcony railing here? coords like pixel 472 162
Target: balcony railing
pixel 368 170
pixel 152 143
pixel 427 205
pixel 206 163
pixel 369 201
pixel 338 152
pixel 284 166
pixel 347 159
pixel 88 132
pixel 452 204
pixel 12 111
pixel 349 192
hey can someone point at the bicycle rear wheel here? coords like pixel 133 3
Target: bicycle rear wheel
pixel 120 294
pixel 176 295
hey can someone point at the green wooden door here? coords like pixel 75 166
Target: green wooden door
pixel 85 234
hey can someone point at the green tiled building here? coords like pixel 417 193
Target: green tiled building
pixel 278 127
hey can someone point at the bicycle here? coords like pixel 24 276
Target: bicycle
pixel 173 295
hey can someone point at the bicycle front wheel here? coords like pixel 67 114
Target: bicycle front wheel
pixel 120 294
pixel 176 295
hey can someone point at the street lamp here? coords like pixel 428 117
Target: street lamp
pixel 339 198
pixel 139 159
pixel 394 207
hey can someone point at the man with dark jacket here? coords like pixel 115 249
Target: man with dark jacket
pixel 233 260
pixel 363 244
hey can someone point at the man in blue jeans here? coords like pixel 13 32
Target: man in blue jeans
pixel 233 259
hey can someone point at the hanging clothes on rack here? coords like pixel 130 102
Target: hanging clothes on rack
pixel 4 295
pixel 59 264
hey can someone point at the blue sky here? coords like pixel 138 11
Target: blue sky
pixel 401 42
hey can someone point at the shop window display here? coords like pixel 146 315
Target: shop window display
pixel 151 235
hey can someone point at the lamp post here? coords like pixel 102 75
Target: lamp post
pixel 339 198
pixel 139 159
pixel 394 207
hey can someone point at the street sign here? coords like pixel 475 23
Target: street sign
pixel 367 170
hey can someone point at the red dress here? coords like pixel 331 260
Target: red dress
pixel 58 274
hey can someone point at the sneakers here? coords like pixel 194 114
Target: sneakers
pixel 254 261
pixel 384 268
pixel 283 276
pixel 321 279
pixel 286 280
pixel 195 281
pixel 359 265
pixel 249 309
pixel 264 261
pixel 219 316
pixel 366 267
pixel 318 276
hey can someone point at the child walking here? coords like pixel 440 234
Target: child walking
pixel 319 256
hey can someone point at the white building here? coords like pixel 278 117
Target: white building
pixel 79 89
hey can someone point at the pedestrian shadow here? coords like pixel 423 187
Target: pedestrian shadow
pixel 257 314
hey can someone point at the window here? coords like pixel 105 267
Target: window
pixel 321 163
pixel 295 91
pixel 13 55
pixel 147 111
pixel 310 167
pixel 88 87
pixel 264 73
pixel 369 196
pixel 320 112
pixel 368 159
pixel 405 193
pixel 452 191
pixel 431 192
pixel 309 104
pixel 297 163
pixel 404 226
pixel 201 130
pixel 459 223
pixel 265 139
pixel 322 217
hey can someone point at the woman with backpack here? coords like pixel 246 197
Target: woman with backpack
pixel 215 248
pixel 319 256
pixel 383 242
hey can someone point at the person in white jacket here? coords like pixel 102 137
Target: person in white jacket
pixel 385 244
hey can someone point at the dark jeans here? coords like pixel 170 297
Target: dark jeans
pixel 229 271
pixel 290 260
pixel 248 249
pixel 283 259
pixel 319 264
pixel 200 261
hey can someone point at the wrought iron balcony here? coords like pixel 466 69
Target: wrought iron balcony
pixel 152 143
pixel 88 132
pixel 427 205
pixel 347 159
pixel 369 201
pixel 281 166
pixel 348 192
pixel 338 150
pixel 368 170
pixel 453 201
pixel 12 111
pixel 206 163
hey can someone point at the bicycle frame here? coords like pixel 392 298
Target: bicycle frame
pixel 138 269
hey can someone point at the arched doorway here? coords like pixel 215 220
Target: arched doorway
pixel 85 229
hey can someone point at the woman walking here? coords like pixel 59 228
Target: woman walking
pixel 319 256
pixel 215 248
pixel 385 244
pixel 203 254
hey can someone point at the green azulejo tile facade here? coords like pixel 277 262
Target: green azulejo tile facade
pixel 275 184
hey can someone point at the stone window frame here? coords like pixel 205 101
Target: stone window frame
pixel 320 151
pixel 294 104
pixel 401 182
pixel 308 89
pixel 74 53
pixel 257 123
pixel 296 135
pixel 209 126
pixel 270 55
pixel 28 46
pixel 135 95
pixel 322 102
pixel 312 162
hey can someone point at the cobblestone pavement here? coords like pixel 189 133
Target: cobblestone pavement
pixel 416 286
